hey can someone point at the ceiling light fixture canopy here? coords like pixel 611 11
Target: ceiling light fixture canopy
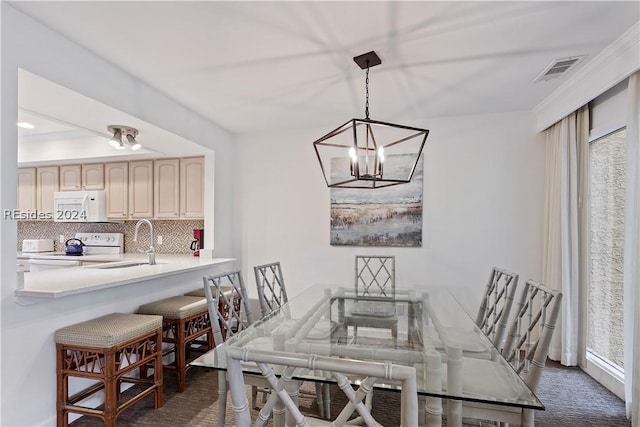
pixel 366 153
pixel 120 131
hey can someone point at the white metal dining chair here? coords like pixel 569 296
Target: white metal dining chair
pixel 526 347
pixel 229 313
pixel 280 369
pixel 495 308
pixel 375 280
pixel 272 296
pixel 491 320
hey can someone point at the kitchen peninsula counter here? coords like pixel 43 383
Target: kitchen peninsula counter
pixel 107 271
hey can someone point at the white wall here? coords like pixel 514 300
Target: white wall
pixel 27 350
pixel 483 199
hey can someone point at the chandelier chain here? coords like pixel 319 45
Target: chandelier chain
pixel 366 104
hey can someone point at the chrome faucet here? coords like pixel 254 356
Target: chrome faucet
pixel 151 252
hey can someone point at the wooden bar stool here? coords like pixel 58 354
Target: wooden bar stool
pixel 105 349
pixel 185 322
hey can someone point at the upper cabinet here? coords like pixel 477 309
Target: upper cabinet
pixel 93 176
pixel 27 189
pixel 162 188
pixel 116 184
pixel 82 177
pixel 192 187
pixel 178 190
pixel 141 189
pixel 166 188
pixel 70 177
pixel 47 183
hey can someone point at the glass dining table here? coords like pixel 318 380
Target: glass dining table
pixel 459 372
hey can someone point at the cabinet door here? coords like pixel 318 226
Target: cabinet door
pixel 70 178
pixel 93 176
pixel 27 189
pixel 47 182
pixel 116 177
pixel 141 189
pixel 166 188
pixel 192 187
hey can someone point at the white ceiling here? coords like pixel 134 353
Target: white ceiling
pixel 71 128
pixel 253 66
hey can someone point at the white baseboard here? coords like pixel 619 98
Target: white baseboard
pixel 602 372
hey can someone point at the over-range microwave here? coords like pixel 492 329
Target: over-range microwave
pixel 80 206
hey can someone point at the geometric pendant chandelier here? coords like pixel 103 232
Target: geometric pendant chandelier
pixel 366 153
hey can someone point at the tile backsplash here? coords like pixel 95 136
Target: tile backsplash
pixel 176 235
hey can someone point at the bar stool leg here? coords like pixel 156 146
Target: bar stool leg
pixel 158 396
pixel 180 354
pixel 111 386
pixel 62 416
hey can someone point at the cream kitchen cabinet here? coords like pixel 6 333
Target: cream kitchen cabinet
pixel 47 183
pixel 27 189
pixel 192 187
pixel 166 188
pixel 141 189
pixel 116 183
pixel 70 176
pixel 82 177
pixel 93 176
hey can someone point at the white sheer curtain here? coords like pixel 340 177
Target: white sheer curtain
pixel 565 252
pixel 632 255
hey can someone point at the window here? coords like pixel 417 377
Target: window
pixel 605 316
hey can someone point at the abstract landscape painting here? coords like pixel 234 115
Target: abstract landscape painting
pixel 390 216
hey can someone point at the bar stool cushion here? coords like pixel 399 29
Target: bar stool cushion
pixel 108 331
pixel 178 307
pixel 200 292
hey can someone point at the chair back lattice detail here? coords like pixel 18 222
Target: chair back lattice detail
pixel 493 315
pixel 529 337
pixel 272 293
pixel 375 276
pixel 227 303
pixel 280 367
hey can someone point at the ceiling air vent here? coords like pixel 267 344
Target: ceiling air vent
pixel 558 67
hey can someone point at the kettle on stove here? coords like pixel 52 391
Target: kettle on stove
pixel 73 247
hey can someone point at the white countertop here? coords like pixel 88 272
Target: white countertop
pixel 62 282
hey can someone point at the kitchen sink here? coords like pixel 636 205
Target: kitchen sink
pixel 120 264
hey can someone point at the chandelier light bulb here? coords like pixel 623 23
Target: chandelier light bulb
pixel 352 154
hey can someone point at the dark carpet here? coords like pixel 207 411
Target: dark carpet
pixel 571 397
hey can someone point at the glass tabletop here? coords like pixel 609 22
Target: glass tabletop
pixel 426 328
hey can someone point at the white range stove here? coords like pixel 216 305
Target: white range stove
pixel 94 244
pixel 101 243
